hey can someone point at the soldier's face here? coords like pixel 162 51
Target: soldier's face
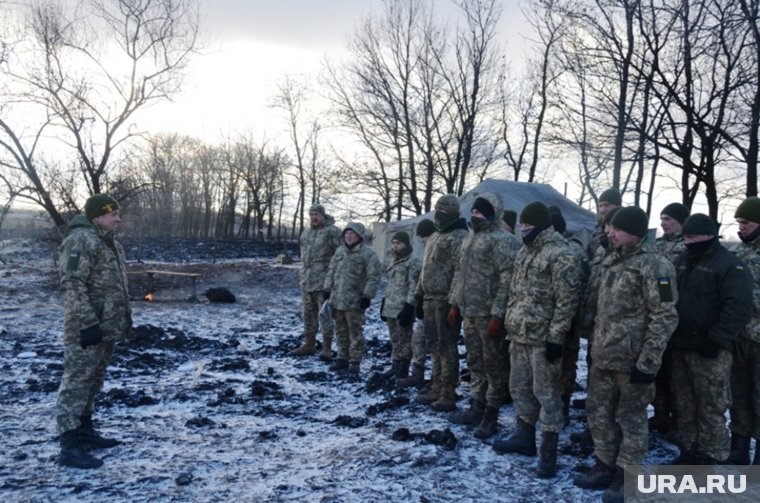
pixel 316 218
pixel 603 208
pixel 350 237
pixel 397 246
pixel 746 227
pixel 696 238
pixel 669 224
pixel 108 221
pixel 621 239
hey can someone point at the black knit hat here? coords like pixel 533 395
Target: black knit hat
pixel 632 220
pixel 611 196
pixel 402 236
pixel 558 221
pixel 699 224
pixel 425 228
pixel 676 211
pixel 749 209
pixel 537 214
pixel 484 207
pixel 100 204
pixel 608 216
pixel 510 217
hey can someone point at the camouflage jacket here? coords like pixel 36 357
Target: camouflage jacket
pixel 595 241
pixel 545 291
pixel 438 263
pixel 480 287
pixel 403 275
pixel 671 245
pixel 93 282
pixel 749 253
pixel 318 245
pixel 587 312
pixel 354 273
pixel 636 313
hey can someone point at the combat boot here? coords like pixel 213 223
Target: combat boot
pixel 598 476
pixel 339 365
pixel 403 370
pixel 470 416
pixel 522 441
pixel 391 372
pixel 91 439
pixel 72 454
pixel 547 463
pixel 489 425
pixel 739 450
pixel 431 395
pixel 447 400
pixel 309 347
pixel 326 353
pixel 416 380
pixel 354 368
pixel 614 492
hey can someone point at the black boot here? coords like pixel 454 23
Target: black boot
pixel 354 368
pixel 339 365
pixel 547 463
pixel 391 372
pixel 614 493
pixel 416 380
pixel 522 441
pixel 91 439
pixel 403 370
pixel 739 450
pixel 598 476
pixel 685 458
pixel 470 416
pixel 489 425
pixel 72 454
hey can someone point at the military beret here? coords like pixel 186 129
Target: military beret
pixel 100 204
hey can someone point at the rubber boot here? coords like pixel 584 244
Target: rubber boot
pixel 91 439
pixel 309 347
pixel 391 372
pixel 72 454
pixel 598 476
pixel 403 370
pixel 489 425
pixel 431 395
pixel 614 493
pixel 739 450
pixel 470 416
pixel 416 380
pixel 547 463
pixel 522 441
pixel 447 400
pixel 326 353
pixel 339 365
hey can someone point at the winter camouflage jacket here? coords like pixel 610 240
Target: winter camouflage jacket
pixel 480 287
pixel 93 282
pixel 545 291
pixel 403 274
pixel 749 253
pixel 671 245
pixel 354 273
pixel 636 314
pixel 318 245
pixel 439 261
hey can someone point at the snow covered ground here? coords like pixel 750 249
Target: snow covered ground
pixel 211 407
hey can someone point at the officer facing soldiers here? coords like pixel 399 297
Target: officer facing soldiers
pixel 479 293
pixel 543 299
pixel 714 306
pixel 96 315
pixel 318 244
pixel 633 325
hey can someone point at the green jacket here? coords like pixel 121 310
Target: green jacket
pixel 749 253
pixel 354 273
pixel 318 245
pixel 439 261
pixel 403 274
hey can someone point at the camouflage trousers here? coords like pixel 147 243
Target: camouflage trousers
pixel 84 371
pixel 419 344
pixel 486 360
pixel 701 388
pixel 534 386
pixel 745 388
pixel 401 340
pixel 349 332
pixel 442 342
pixel 312 303
pixel 572 347
pixel 617 416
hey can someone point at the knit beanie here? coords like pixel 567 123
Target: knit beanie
pixel 632 220
pixel 402 236
pixel 558 221
pixel 510 217
pixel 425 228
pixel 608 216
pixel 611 196
pixel 536 214
pixel 484 207
pixel 100 204
pixel 448 204
pixel 676 211
pixel 699 224
pixel 749 209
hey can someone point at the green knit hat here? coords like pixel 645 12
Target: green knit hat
pixel 448 204
pixel 537 214
pixel 632 220
pixel 425 228
pixel 100 204
pixel 611 196
pixel 749 209
pixel 510 217
pixel 608 216
pixel 402 236
pixel 699 224
pixel 676 211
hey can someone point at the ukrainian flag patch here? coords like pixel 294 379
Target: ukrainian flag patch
pixel 665 288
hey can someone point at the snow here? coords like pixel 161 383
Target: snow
pixel 210 406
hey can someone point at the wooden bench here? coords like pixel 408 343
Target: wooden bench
pixel 152 272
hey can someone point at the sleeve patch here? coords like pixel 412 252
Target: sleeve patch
pixel 666 291
pixel 72 264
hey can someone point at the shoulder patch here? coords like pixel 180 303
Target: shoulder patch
pixel 72 264
pixel 666 291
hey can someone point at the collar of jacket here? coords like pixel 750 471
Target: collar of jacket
pixel 405 254
pixel 673 237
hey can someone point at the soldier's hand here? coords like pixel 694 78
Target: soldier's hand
pixel 495 328
pixel 553 351
pixel 90 336
pixel 406 316
pixel 709 350
pixel 364 303
pixel 382 306
pixel 639 377
pixel 419 311
pixel 454 316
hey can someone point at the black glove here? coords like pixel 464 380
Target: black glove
pixel 639 377
pixel 553 351
pixel 406 316
pixel 708 349
pixel 90 336
pixel 326 294
pixel 419 312
pixel 364 303
pixel 382 306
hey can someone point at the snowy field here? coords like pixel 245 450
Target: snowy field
pixel 211 407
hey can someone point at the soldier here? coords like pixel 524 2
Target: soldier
pixel 438 264
pixel 96 315
pixel 745 377
pixel 672 219
pixel 543 299
pixel 632 328
pixel 715 305
pixel 479 294
pixel 318 244
pixel 608 200
pixel 352 279
pixel 398 304
pixel 508 222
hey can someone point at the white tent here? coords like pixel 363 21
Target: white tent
pixel 515 195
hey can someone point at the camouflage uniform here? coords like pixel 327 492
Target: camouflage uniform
pixel 403 274
pixel 573 338
pixel 318 244
pixel 632 328
pixel 419 345
pixel 543 299
pixel 671 245
pixel 480 289
pixel 354 274
pixel 94 292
